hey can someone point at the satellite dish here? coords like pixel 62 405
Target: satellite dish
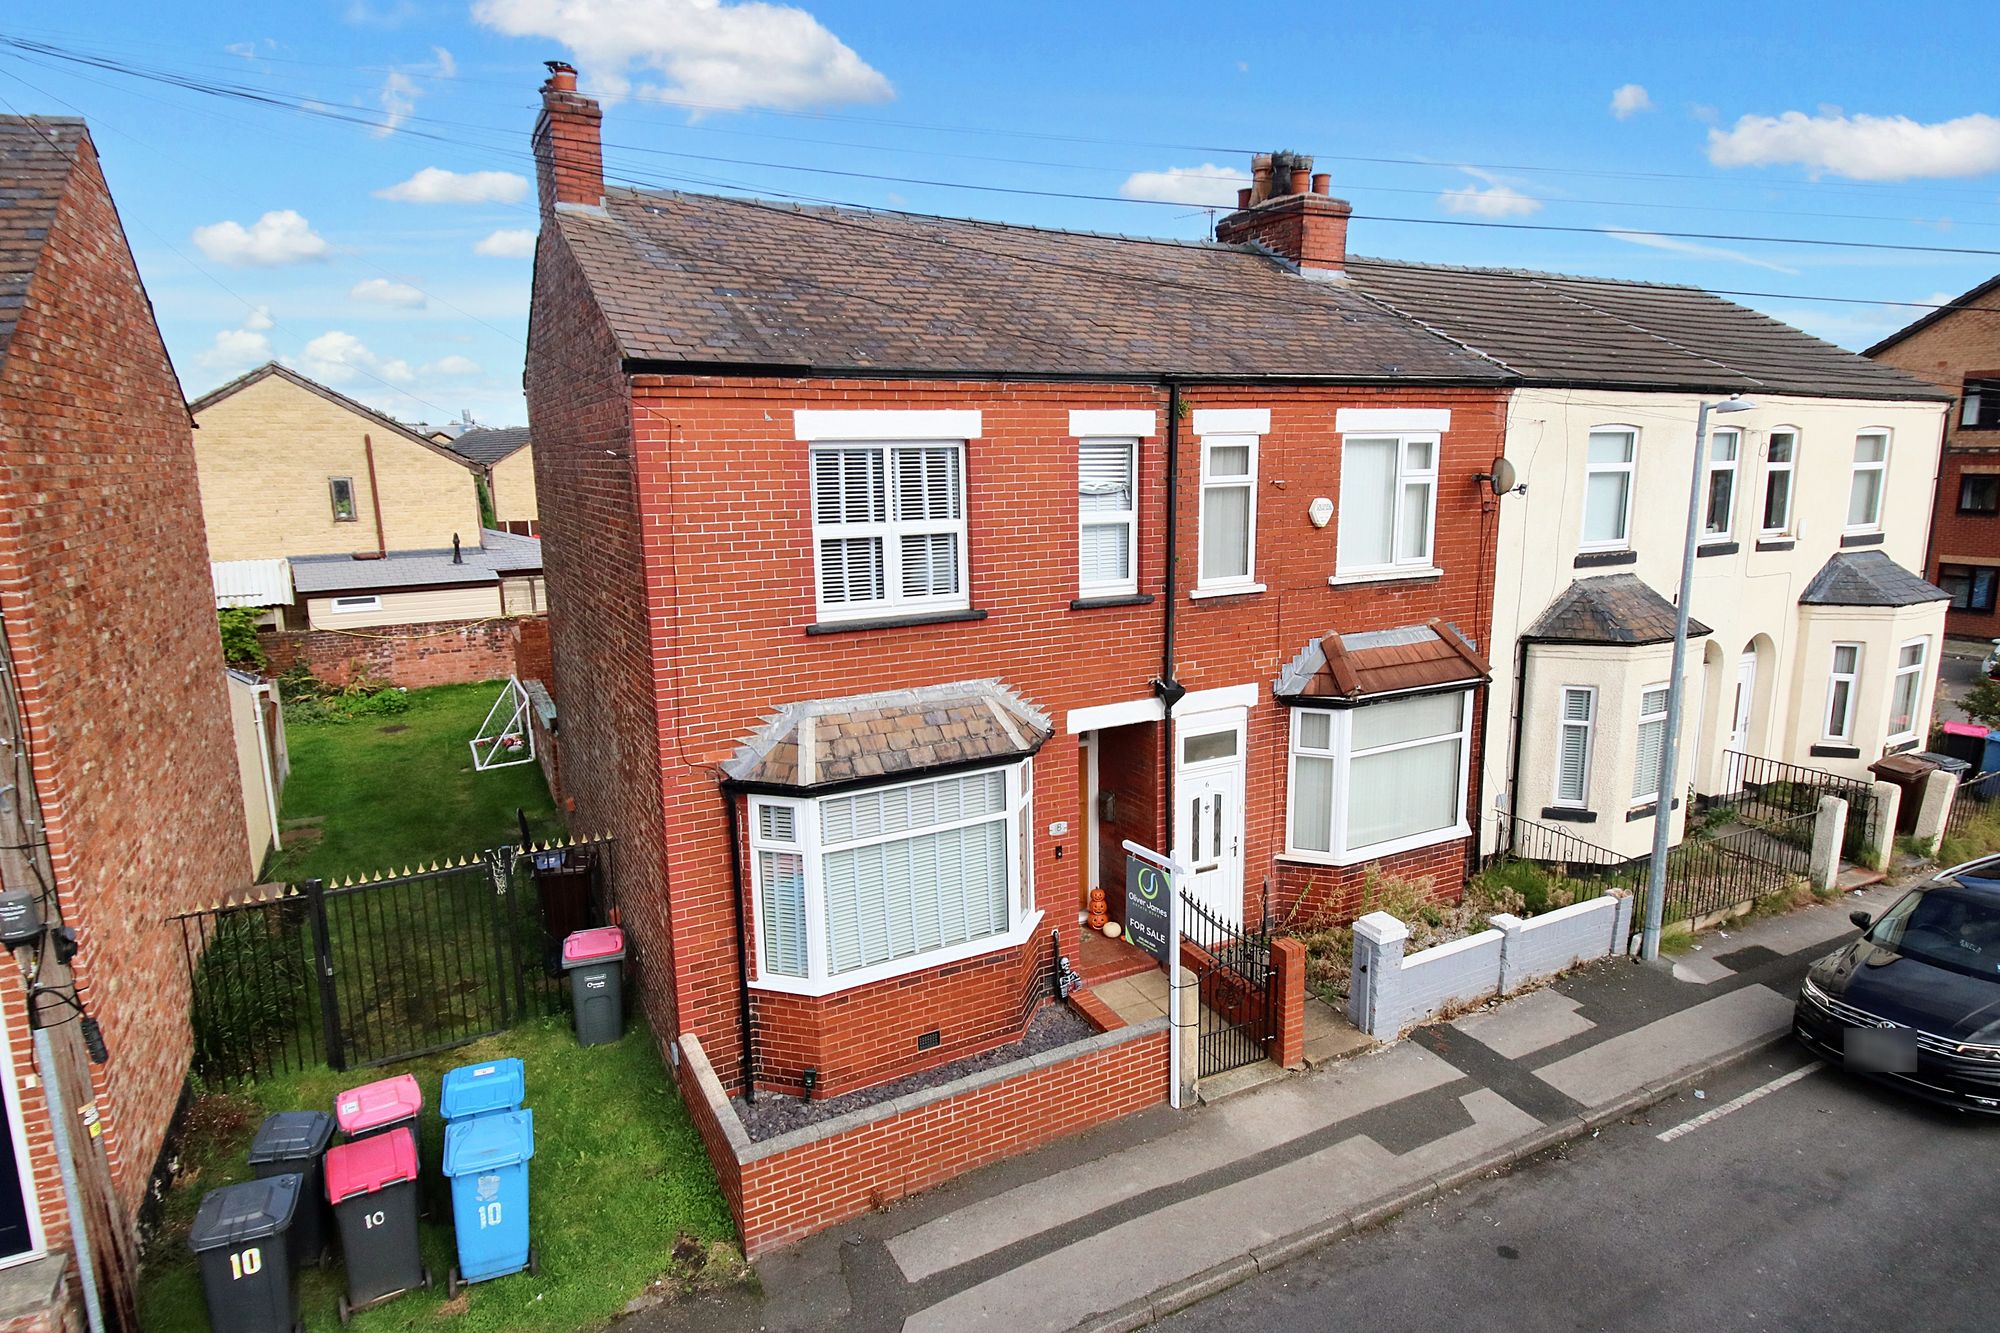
pixel 1502 478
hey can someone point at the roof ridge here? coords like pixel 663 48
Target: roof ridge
pixel 1535 273
pixel 335 396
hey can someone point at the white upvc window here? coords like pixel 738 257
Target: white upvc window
pixel 1650 754
pixel 354 605
pixel 888 528
pixel 1907 692
pixel 1780 456
pixel 1107 483
pixel 1388 503
pixel 1842 684
pixel 1228 514
pixel 1864 489
pixel 1579 720
pixel 1718 506
pixel 851 888
pixel 1378 779
pixel 1607 488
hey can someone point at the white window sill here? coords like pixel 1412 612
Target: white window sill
pixel 1412 573
pixel 1226 590
pixel 1023 930
pixel 1358 855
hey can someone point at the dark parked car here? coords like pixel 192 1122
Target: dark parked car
pixel 1915 1002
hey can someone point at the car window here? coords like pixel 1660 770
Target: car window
pixel 1946 927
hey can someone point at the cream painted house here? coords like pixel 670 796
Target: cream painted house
pixel 506 459
pixel 1814 643
pixel 289 467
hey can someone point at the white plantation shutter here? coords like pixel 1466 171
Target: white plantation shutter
pixel 889 525
pixel 1652 744
pixel 1107 511
pixel 930 564
pixel 1573 755
pixel 782 876
pixel 847 486
pixel 850 570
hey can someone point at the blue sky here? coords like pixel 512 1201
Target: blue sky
pixel 390 257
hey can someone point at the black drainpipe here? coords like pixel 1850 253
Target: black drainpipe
pixel 1170 690
pixel 1514 755
pixel 742 944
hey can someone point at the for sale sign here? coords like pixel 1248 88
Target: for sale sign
pixel 1147 887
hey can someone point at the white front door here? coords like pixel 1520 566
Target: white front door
pixel 1209 831
pixel 1746 694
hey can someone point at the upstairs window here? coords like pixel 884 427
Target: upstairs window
pixel 1718 511
pixel 1108 517
pixel 888 528
pixel 1908 690
pixel 1979 409
pixel 1649 763
pixel 1228 512
pixel 341 491
pixel 1607 489
pixel 1388 503
pixel 1979 493
pixel 1864 490
pixel 1579 715
pixel 1780 454
pixel 1971 586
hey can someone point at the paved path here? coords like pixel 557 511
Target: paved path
pixel 1139 1218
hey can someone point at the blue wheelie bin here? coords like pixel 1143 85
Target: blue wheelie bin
pixel 486 1157
pixel 470 1090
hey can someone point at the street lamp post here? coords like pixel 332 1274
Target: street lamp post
pixel 1663 812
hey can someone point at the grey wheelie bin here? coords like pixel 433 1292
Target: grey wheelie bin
pixel 372 1185
pixel 291 1142
pixel 242 1239
pixel 595 961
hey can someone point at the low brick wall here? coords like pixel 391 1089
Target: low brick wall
pixel 788 1187
pixel 412 656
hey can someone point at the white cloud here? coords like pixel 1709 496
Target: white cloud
pixel 507 243
pixel 1496 201
pixel 236 350
pixel 279 237
pixel 1205 185
pixel 341 358
pixel 454 365
pixel 381 291
pixel 1628 100
pixel 447 64
pixel 399 98
pixel 435 185
pixel 727 56
pixel 1693 249
pixel 1861 147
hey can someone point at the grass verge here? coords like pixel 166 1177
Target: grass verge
pixel 624 1204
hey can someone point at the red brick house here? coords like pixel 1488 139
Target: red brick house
pixel 1957 348
pixel 881 551
pixel 114 717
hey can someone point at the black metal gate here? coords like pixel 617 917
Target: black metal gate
pixel 1232 967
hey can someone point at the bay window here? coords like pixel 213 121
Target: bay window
pixel 854 887
pixel 1865 486
pixel 1388 503
pixel 1579 716
pixel 888 528
pixel 1607 488
pixel 1651 756
pixel 1908 690
pixel 1718 510
pixel 1781 453
pixel 1108 517
pixel 1379 778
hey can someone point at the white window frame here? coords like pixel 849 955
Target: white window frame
pixel 1564 724
pixel 1406 478
pixel 1660 716
pixel 1923 647
pixel 1834 676
pixel 1107 518
pixel 1773 469
pixel 1022 914
pixel 891 530
pixel 1247 581
pixel 349 606
pixel 1341 750
pixel 1630 469
pixel 1714 466
pixel 1881 468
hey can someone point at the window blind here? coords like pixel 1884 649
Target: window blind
pixel 1652 746
pixel 905 896
pixel 1573 757
pixel 1105 491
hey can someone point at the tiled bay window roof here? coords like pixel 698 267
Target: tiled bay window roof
pixel 829 742
pixel 1372 663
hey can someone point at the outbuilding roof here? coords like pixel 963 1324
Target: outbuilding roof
pixel 1868 578
pixel 703 280
pixel 826 742
pixel 1615 609
pixel 36 154
pixel 499 553
pixel 1368 664
pixel 487 445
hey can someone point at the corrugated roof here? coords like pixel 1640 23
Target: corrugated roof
pixel 498 553
pixel 1355 666
pixel 1868 578
pixel 1621 610
pixel 251 582
pixel 701 279
pixel 1553 328
pixel 487 445
pixel 36 154
pixel 825 742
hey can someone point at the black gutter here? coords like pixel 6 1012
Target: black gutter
pixel 1170 690
pixel 1514 754
pixel 742 945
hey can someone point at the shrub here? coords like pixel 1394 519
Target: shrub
pixel 1982 703
pixel 241 646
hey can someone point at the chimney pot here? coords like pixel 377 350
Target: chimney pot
pixel 1322 183
pixel 562 75
pixel 1305 226
pixel 1243 197
pixel 1301 176
pixel 569 153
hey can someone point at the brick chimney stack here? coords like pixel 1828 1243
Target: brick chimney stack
pixel 568 143
pixel 1288 211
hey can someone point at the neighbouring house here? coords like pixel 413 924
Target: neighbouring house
pixel 362 537
pixel 125 801
pixel 900 568
pixel 1957 348
pixel 506 462
pixel 1815 642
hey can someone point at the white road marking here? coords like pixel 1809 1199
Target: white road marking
pixel 1738 1103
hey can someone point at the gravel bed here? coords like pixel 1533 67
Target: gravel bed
pixel 774 1113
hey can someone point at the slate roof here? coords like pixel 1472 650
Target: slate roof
pixel 487 445
pixel 36 154
pixel 706 280
pixel 498 553
pixel 1990 287
pixel 1557 329
pixel 1868 578
pixel 1372 663
pixel 825 742
pixel 1615 609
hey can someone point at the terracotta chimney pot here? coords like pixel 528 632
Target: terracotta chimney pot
pixel 1301 178
pixel 1322 183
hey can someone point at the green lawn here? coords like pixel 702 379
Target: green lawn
pixel 378 792
pixel 618 1178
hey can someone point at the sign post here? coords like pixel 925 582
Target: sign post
pixel 1153 923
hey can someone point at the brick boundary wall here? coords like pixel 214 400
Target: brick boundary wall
pixel 412 656
pixel 786 1188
